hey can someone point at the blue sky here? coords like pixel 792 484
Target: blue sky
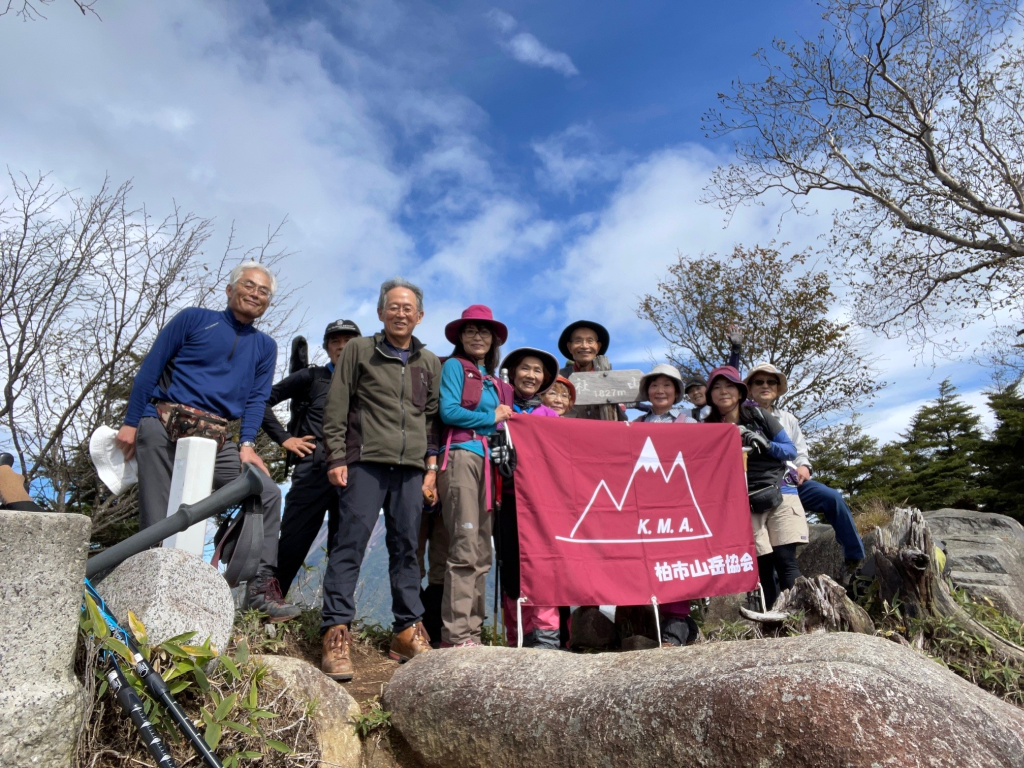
pixel 543 158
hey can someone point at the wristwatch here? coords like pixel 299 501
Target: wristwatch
pixel 247 444
pixel 431 467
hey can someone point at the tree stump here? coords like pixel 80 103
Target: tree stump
pixel 822 605
pixel 907 572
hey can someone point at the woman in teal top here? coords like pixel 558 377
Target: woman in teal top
pixel 473 402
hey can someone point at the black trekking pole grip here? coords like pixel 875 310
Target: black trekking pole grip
pixel 132 706
pixel 248 483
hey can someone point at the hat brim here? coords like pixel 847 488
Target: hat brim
pixel 603 337
pixel 453 330
pixel 548 360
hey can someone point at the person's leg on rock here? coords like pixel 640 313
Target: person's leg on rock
pixel 818 497
pixel 361 501
pixel 433 556
pixel 263 593
pixel 786 568
pixel 787 529
pixel 677 627
pixel 468 526
pixel 154 454
pixel 765 561
pixel 403 510
pixel 766 574
pixel 310 496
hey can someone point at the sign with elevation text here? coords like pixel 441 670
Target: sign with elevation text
pixel 602 387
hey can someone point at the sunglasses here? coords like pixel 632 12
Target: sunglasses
pixel 763 382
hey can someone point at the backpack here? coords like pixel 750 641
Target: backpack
pixel 472 391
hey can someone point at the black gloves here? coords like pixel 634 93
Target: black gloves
pixel 754 440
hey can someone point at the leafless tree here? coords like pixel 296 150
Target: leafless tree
pixel 784 308
pixel 31 10
pixel 914 110
pixel 86 283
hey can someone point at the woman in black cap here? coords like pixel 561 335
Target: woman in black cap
pixel 585 344
pixel 531 372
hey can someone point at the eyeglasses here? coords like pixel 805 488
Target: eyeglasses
pixel 554 394
pixel 251 287
pixel 469 332
pixel 763 382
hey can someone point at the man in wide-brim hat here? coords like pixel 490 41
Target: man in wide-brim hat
pixel 585 344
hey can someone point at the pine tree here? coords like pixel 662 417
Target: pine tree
pixel 844 457
pixel 943 452
pixel 1002 479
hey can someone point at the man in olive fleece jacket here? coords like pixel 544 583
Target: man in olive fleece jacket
pixel 380 432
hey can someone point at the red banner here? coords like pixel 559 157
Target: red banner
pixel 613 514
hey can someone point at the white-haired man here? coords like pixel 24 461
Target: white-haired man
pixel 205 368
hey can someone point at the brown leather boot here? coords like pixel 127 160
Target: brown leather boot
pixel 335 661
pixel 409 642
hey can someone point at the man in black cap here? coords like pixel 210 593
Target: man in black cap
pixel 311 493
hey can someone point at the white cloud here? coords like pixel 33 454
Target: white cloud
pixel 575 157
pixel 503 21
pixel 526 48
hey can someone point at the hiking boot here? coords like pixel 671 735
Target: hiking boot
pixel 335 661
pixel 264 594
pixel 409 642
pixel 542 639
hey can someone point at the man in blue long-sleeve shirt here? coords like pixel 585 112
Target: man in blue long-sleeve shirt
pixel 215 362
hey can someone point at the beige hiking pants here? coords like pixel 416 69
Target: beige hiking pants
pixel 468 523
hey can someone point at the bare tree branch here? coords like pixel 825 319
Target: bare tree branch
pixel 85 285
pixel 784 309
pixel 915 109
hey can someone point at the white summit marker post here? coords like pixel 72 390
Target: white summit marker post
pixel 192 481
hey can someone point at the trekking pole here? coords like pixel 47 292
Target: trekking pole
pixel 130 702
pixel 153 681
pixel 248 483
pixel 496 527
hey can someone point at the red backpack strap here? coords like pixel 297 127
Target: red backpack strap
pixel 472 384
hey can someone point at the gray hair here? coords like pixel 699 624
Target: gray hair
pixel 245 266
pixel 398 282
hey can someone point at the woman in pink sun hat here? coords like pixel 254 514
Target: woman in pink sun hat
pixel 473 404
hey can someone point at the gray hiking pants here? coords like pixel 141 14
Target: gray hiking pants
pixel 468 523
pixel 155 454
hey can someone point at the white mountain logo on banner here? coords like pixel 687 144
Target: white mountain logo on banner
pixel 680 520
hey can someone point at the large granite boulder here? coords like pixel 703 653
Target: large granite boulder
pixel 41 701
pixel 985 555
pixel 172 592
pixel 336 710
pixel 835 699
pixel 821 554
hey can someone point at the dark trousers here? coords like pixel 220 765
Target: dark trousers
pixel 310 496
pixel 371 487
pixel 155 454
pixel 816 497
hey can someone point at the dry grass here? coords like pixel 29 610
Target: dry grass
pixel 874 513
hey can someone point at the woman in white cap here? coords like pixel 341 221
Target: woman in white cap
pixel 663 389
pixel 767 384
